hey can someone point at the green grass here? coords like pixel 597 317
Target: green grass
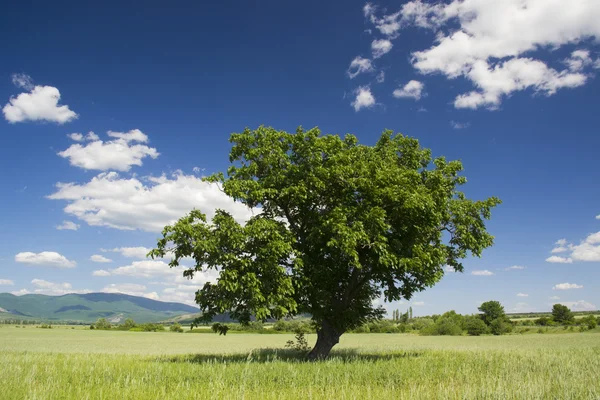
pixel 83 364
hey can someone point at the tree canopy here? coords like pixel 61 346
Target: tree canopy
pixel 337 225
pixel 562 314
pixel 492 310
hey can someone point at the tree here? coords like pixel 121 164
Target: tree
pixel 475 326
pixel 129 323
pixel 102 323
pixel 562 314
pixel 336 225
pixel 500 326
pixel 491 310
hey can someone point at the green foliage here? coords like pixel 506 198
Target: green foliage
pixel 422 323
pixel 149 327
pixel 299 344
pixel 562 314
pixel 129 323
pixel 475 326
pixel 293 326
pixel 500 326
pixel 339 222
pixel 590 321
pixel 219 328
pixel 176 327
pixel 492 310
pixel 102 323
pixel 544 321
pixel 46 326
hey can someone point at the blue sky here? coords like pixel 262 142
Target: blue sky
pixel 511 91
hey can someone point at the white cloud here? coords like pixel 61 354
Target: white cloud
pixel 588 250
pixel 521 307
pixel 40 104
pixel 358 66
pixel 121 203
pixel 580 305
pixel 380 47
pixel 101 272
pixel 45 259
pixel 54 289
pixel 567 286
pixel 413 90
pixel 484 272
pixel 459 125
pixel 146 269
pixel 6 282
pixel 561 242
pixel 20 292
pixel 485 41
pixel 578 60
pixel 522 295
pixel 68 225
pixel 449 268
pixel 559 249
pixel 364 98
pixel 514 267
pixel 418 303
pixel 554 298
pixel 99 259
pixel 77 137
pixel 131 289
pixel 22 81
pixel 131 252
pixel 380 77
pixel 559 260
pixel 118 154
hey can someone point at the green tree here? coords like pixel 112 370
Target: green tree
pixel 102 323
pixel 475 326
pixel 491 310
pixel 562 314
pixel 129 323
pixel 500 326
pixel 338 225
pixel 176 327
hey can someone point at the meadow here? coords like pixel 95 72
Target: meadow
pixel 69 363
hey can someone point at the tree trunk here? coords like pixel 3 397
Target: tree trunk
pixel 327 337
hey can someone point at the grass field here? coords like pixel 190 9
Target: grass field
pixel 83 364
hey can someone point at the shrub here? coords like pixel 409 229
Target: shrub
pixel 422 323
pixel 129 323
pixel 103 324
pixel 476 327
pixel 544 321
pixel 500 326
pixel 46 326
pixel 590 321
pixel 293 326
pixel 176 327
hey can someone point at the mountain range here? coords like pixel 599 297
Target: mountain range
pixel 86 308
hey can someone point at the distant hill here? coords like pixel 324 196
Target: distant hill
pixel 89 307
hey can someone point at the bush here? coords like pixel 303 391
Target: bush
pixel 293 326
pixel 46 326
pixel 590 321
pixel 176 327
pixel 500 326
pixel 383 326
pixel 544 321
pixel 103 324
pixel 421 323
pixel 128 324
pixel 476 327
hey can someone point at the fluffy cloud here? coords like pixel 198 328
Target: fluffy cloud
pixel 100 259
pixel 484 272
pixel 554 298
pixel 522 295
pixel 146 269
pixel 380 47
pixel 101 272
pixel 449 268
pixel 514 267
pixel 131 289
pixel 588 250
pixel 128 203
pixel 6 282
pixel 54 289
pixel 484 41
pixel 412 90
pixel 45 259
pixel 580 305
pixel 559 260
pixel 364 98
pixel 567 286
pixel 118 154
pixel 67 225
pixel 80 137
pixel 358 66
pixel 39 104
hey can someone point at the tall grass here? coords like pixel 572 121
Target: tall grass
pixel 76 364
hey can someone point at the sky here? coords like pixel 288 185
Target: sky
pixel 112 113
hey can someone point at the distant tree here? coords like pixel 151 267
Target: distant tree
pixel 102 323
pixel 590 321
pixel 176 327
pixel 475 326
pixel 129 324
pixel 339 224
pixel 561 314
pixel 410 315
pixel 491 310
pixel 404 317
pixel 544 321
pixel 500 326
